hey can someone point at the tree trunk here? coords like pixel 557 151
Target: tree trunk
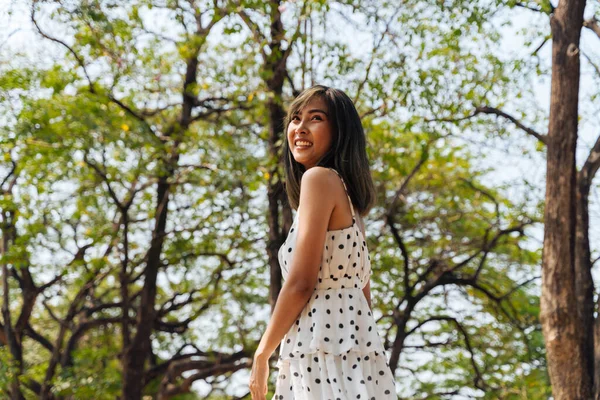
pixel 597 359
pixel 135 356
pixel 13 339
pixel 561 324
pixel 584 285
pixel 274 70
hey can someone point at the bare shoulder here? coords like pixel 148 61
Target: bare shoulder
pixel 317 193
pixel 319 178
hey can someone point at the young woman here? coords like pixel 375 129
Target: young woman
pixel 330 348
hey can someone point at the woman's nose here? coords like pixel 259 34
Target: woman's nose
pixel 301 128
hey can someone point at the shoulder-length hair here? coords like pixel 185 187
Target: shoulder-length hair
pixel 347 154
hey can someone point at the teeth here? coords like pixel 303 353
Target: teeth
pixel 303 143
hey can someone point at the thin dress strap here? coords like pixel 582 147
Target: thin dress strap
pixel 346 190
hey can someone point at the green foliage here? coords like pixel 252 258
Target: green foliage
pixel 8 371
pixel 86 145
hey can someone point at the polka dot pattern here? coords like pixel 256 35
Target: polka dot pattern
pixel 321 376
pixel 333 350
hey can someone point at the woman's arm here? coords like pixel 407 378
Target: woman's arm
pixel 314 211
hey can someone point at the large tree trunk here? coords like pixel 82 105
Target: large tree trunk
pixel 135 356
pixel 275 70
pixel 561 322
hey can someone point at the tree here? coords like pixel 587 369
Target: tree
pixel 165 141
pixel 100 118
pixel 567 286
pixel 568 308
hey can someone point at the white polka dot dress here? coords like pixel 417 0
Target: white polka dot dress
pixel 333 350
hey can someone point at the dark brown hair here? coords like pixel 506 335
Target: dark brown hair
pixel 347 154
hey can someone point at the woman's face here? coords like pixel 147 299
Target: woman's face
pixel 309 133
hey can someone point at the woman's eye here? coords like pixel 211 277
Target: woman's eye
pixel 316 116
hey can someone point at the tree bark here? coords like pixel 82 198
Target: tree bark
pixel 597 359
pixel 561 322
pixel 275 72
pixel 136 354
pixel 13 337
pixel 584 285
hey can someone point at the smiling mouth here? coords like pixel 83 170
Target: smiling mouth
pixel 303 144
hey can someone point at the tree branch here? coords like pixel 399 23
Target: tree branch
pixel 593 25
pixel 259 37
pixel 549 6
pixel 491 110
pixel 478 378
pixel 591 165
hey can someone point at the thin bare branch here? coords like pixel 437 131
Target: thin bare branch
pixel 491 110
pixel 593 25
